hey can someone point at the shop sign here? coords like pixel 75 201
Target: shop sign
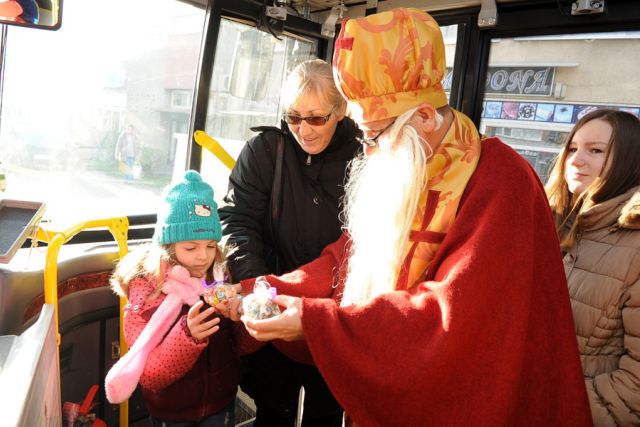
pixel 520 80
pixel 531 81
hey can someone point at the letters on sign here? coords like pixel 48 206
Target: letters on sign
pixel 515 81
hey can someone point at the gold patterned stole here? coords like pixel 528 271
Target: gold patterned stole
pixel 450 168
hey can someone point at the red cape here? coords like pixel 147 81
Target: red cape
pixel 487 340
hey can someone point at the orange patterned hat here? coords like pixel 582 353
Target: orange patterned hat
pixel 390 62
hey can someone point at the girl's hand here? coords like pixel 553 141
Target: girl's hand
pixel 199 327
pixel 237 287
pixel 287 326
pixel 231 309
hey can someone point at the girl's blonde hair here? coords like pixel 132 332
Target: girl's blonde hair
pixel 623 154
pixel 152 260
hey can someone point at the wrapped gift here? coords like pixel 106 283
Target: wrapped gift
pixel 217 292
pixel 259 304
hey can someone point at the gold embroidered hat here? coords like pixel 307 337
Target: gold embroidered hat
pixel 390 62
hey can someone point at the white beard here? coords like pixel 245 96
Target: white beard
pixel 381 200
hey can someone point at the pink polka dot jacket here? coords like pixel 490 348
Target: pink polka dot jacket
pixel 184 379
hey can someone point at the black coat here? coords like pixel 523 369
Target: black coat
pixel 311 200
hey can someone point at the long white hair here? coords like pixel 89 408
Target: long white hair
pixel 381 200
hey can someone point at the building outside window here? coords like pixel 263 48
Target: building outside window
pixel 538 87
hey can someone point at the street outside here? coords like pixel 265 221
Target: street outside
pixel 71 197
pixel 74 196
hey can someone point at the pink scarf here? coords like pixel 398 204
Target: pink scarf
pixel 123 377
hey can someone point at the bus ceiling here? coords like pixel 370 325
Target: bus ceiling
pixel 331 12
pixel 359 7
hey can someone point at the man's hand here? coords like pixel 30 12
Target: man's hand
pixel 287 326
pixel 198 326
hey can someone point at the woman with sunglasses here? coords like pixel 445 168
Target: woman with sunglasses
pixel 594 190
pixel 319 141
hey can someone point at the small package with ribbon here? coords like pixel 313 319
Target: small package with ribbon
pixel 259 304
pixel 217 292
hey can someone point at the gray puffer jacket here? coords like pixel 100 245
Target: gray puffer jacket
pixel 603 273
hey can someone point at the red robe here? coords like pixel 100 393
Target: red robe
pixel 486 340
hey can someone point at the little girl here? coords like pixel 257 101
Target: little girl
pixel 189 372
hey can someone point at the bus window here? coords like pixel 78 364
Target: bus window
pixel 70 94
pixel 245 89
pixel 449 35
pixel 538 87
pixel 249 68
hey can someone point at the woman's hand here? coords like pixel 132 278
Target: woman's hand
pixel 199 327
pixel 287 326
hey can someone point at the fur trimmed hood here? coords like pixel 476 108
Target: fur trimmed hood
pixel 630 213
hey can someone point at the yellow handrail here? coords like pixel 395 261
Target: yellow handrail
pixel 119 228
pixel 214 146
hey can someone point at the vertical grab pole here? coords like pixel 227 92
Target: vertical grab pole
pixel 55 242
pixel 51 286
pixel 119 229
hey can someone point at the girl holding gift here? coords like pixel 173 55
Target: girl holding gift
pixel 180 349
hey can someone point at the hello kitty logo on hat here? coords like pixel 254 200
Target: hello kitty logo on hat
pixel 188 212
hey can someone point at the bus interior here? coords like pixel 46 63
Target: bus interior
pixel 190 78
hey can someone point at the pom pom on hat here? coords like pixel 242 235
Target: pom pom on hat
pixel 390 62
pixel 188 212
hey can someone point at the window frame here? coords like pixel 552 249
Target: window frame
pixel 247 12
pixel 520 19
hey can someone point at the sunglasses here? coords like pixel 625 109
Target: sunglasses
pixel 293 119
pixel 373 142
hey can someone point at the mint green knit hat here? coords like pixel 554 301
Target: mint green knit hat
pixel 188 212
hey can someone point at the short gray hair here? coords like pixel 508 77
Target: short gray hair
pixel 311 76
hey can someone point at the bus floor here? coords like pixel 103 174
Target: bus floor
pixel 245 413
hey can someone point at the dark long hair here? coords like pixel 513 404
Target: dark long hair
pixel 623 154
